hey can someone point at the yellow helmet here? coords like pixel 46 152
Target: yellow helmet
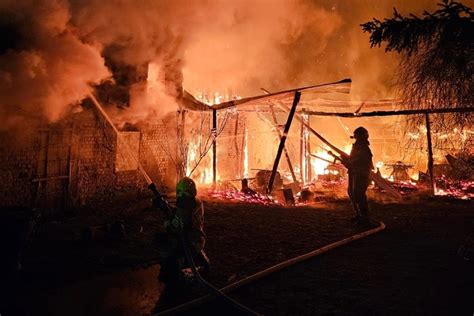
pixel 186 187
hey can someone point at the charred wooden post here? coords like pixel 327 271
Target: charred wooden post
pixel 430 152
pixel 214 146
pixel 236 143
pixel 296 99
pixel 287 156
pixel 305 161
pixel 308 150
pixel 242 158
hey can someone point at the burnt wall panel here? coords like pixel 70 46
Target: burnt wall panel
pixel 94 143
pixel 157 152
pixel 72 163
pixel 18 161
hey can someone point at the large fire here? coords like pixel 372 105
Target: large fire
pixel 323 168
pixel 320 166
pixel 202 173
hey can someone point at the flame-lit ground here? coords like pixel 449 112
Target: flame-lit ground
pixel 412 265
pixel 330 190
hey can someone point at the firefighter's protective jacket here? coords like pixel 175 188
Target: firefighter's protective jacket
pixel 360 159
pixel 188 222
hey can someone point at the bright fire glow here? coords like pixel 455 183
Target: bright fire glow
pixel 215 98
pixel 319 166
pixel 206 175
pixel 155 87
pixel 379 164
pixel 192 155
pixel 203 173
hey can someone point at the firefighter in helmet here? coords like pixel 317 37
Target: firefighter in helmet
pixel 360 165
pixel 184 228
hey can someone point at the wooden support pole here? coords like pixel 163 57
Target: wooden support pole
pixel 430 152
pixel 275 123
pixel 305 149
pixel 236 144
pixel 308 151
pixel 287 156
pixel 296 99
pixel 214 146
pixel 243 171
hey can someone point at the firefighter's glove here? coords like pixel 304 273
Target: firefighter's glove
pixel 160 203
pixel 157 202
pixel 152 187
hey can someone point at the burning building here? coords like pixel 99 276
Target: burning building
pixel 60 150
pixel 86 158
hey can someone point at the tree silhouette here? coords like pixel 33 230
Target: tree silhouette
pixel 437 64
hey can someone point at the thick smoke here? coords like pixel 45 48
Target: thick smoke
pixel 44 66
pixel 283 44
pixel 55 49
pixel 248 45
pixel 138 33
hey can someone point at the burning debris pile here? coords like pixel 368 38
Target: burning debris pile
pixel 461 189
pixel 238 196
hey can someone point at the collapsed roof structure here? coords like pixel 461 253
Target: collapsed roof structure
pixel 323 100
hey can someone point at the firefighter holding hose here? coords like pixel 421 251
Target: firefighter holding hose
pixel 184 228
pixel 360 165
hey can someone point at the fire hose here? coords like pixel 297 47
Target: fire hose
pixel 233 286
pixel 264 273
pixel 207 285
pixel 165 206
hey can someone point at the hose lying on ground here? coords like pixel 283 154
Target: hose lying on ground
pixel 208 286
pixel 273 269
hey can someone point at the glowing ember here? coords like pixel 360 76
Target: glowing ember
pixel 241 197
pixel 405 187
pixel 462 189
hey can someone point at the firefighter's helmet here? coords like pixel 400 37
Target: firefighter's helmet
pixel 186 188
pixel 361 133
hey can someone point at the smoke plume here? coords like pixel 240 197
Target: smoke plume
pixel 44 66
pixel 54 50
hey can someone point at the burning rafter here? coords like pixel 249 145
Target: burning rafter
pixel 342 86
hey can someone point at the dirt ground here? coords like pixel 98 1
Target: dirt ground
pixel 412 267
